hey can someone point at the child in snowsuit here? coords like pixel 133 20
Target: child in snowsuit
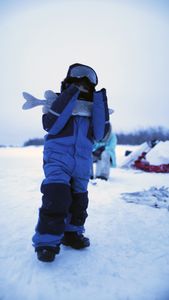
pixel 104 155
pixel 77 117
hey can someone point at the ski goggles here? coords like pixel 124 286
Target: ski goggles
pixel 80 71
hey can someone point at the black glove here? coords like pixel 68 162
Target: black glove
pixel 97 153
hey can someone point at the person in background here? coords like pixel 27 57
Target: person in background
pixel 104 155
pixel 76 118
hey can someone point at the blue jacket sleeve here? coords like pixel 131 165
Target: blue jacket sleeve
pixel 100 115
pixel 61 110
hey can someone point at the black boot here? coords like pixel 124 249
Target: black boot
pixel 102 177
pixel 75 240
pixel 47 253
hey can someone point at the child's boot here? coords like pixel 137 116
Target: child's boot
pixel 75 240
pixel 47 253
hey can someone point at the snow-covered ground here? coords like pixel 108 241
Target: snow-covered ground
pixel 129 254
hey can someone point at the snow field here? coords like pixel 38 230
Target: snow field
pixel 129 254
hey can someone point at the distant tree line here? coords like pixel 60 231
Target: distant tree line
pixel 34 142
pixel 132 138
pixel 143 135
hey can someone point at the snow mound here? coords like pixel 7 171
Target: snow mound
pixel 159 154
pixel 155 197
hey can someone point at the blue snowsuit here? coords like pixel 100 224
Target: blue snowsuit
pixel 67 163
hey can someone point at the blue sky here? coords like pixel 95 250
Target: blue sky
pixel 126 42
